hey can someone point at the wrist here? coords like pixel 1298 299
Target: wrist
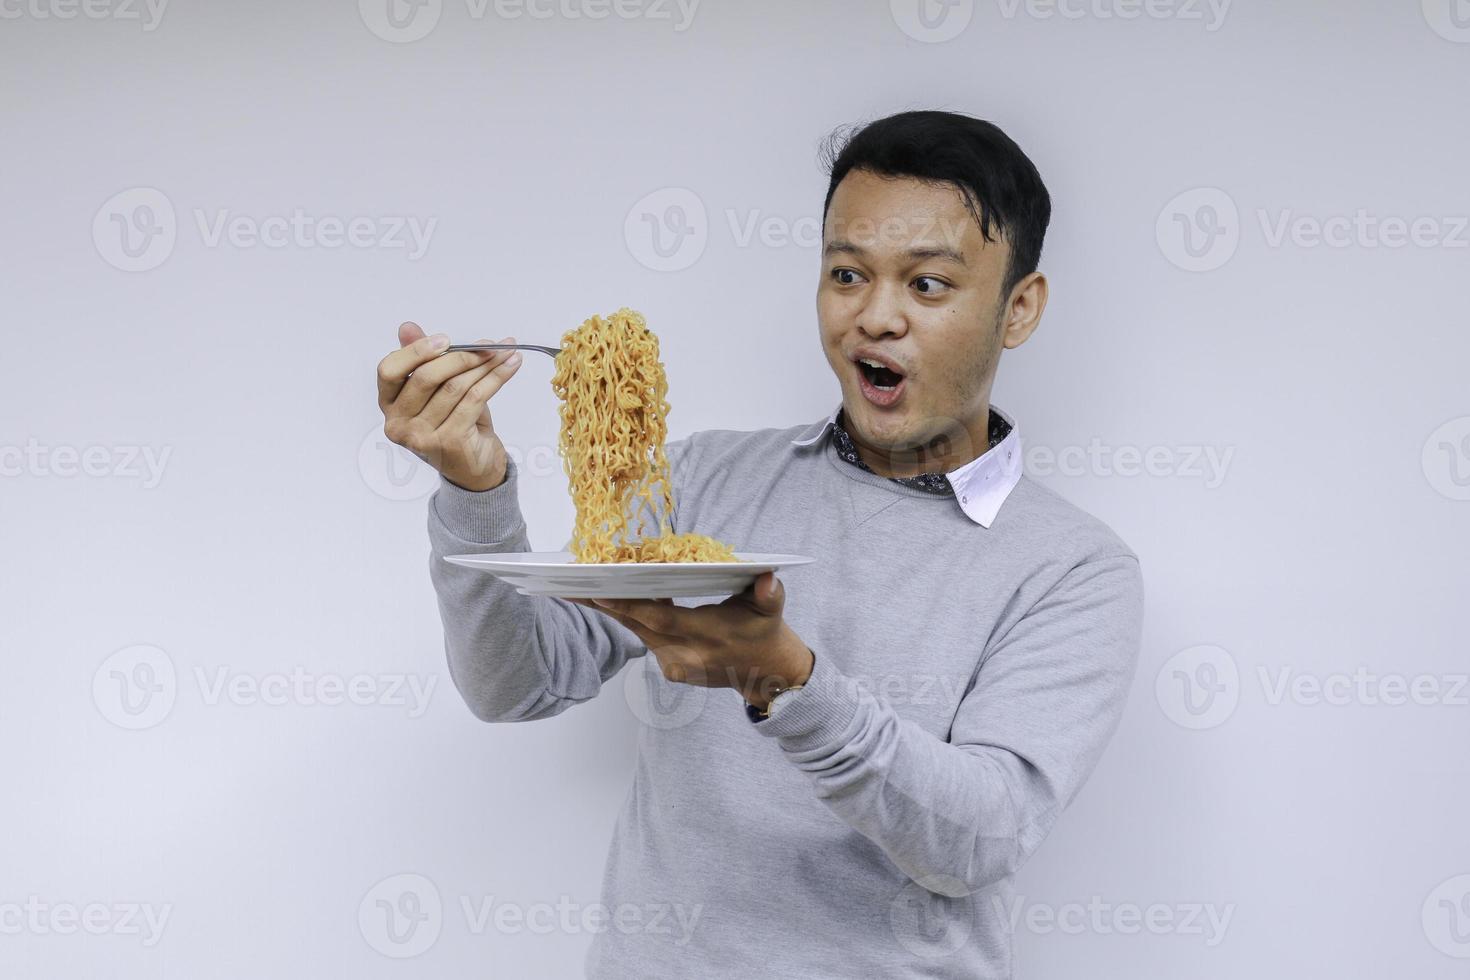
pixel 795 672
pixel 481 479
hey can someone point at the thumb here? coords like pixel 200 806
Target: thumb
pixel 770 594
pixel 408 333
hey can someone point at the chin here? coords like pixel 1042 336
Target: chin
pixel 883 433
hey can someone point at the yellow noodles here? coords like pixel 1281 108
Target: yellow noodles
pixel 613 424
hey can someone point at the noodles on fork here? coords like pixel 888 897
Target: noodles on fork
pixel 613 425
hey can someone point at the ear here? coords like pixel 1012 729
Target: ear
pixel 1023 310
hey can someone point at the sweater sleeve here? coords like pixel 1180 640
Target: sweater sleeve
pixel 517 657
pixel 957 816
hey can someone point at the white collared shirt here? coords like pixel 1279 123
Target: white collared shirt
pixel 982 484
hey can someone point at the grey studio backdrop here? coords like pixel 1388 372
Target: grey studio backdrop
pixel 232 744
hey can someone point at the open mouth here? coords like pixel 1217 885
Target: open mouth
pixel 881 382
pixel 880 376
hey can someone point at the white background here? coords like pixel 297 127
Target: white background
pixel 275 538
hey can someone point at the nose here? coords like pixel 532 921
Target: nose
pixel 883 313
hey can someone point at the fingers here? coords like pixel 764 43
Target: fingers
pixel 651 638
pixel 661 617
pixel 408 333
pixel 452 391
pixel 429 374
pixel 393 370
pixel 471 405
pixel 615 609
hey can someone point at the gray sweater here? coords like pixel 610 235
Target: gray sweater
pixel 966 681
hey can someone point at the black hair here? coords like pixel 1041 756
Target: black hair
pixel 1002 188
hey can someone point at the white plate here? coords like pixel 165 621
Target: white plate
pixel 553 573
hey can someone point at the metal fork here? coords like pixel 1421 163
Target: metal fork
pixel 551 351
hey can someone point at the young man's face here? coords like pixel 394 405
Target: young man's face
pixel 908 278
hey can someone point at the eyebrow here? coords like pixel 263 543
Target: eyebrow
pixel 842 247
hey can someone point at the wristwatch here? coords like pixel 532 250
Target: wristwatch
pixel 757 715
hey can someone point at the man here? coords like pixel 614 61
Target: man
pixel 923 700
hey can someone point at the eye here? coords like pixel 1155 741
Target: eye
pixel 846 277
pixel 930 285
